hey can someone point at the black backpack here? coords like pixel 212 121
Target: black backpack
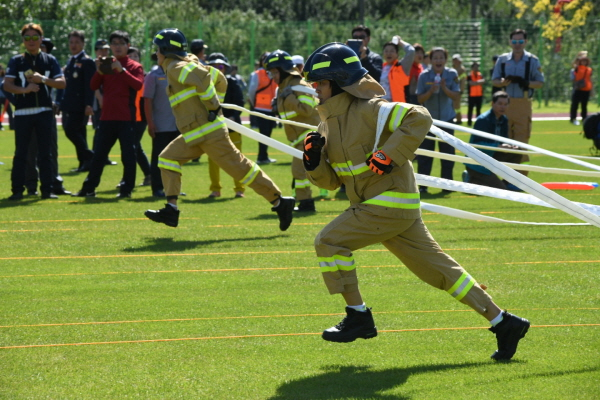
pixel 591 130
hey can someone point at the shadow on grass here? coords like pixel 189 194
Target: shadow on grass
pixel 169 245
pixel 358 382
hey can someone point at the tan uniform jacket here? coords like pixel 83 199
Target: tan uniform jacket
pixel 349 125
pixel 299 107
pixel 192 94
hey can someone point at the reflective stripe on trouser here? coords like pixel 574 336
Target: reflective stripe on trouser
pixel 303 192
pixel 218 147
pixel 408 239
pixel 519 114
pixel 214 172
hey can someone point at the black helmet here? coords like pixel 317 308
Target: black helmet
pixel 334 62
pixel 219 58
pixel 171 41
pixel 279 59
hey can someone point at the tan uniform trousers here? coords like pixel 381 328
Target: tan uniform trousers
pixel 214 172
pixel 301 182
pixel 218 147
pixel 519 114
pixel 409 240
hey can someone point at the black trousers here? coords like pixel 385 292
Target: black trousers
pixel 108 134
pixel 265 126
pixel 474 102
pixel 142 159
pixel 42 126
pixel 75 126
pixel 159 142
pixel 579 96
pixel 425 163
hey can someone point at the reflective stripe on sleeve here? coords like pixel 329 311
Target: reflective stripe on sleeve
pixel 182 96
pixel 309 100
pixel 347 169
pixel 204 129
pixel 300 138
pixel 185 71
pixel 396 200
pixel 251 175
pixel 169 164
pixel 336 263
pixel 288 115
pixel 209 93
pixel 462 286
pixel 397 117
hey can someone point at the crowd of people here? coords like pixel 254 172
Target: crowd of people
pixel 407 72
pixel 372 112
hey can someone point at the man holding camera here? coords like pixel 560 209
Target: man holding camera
pixel 519 72
pixel 121 78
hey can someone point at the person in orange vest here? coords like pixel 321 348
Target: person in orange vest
pixel 261 92
pixel 415 71
pixel 475 82
pixel 395 74
pixel 581 75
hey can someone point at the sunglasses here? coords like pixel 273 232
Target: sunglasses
pixel 520 41
pixel 33 38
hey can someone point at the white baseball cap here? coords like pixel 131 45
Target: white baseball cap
pixel 297 59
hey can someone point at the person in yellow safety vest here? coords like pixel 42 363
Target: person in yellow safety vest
pixel 197 112
pixel 261 91
pixel 395 75
pixel 367 144
pixel 462 79
pixel 294 102
pixel 475 81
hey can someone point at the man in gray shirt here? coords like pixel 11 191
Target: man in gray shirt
pixel 437 88
pixel 518 73
pixel 161 122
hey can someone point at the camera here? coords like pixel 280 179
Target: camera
pixel 106 66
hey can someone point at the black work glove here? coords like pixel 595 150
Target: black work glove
pixel 212 115
pixel 313 145
pixel 274 106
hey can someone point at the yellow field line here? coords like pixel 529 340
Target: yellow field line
pixel 278 316
pixel 267 335
pixel 36 230
pixel 198 254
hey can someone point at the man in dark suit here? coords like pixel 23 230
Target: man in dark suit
pixel 78 98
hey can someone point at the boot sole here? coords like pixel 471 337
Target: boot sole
pixel 171 224
pixel 368 335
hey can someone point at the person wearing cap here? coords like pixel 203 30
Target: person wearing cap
pixel 197 111
pixel 76 102
pixel 462 79
pixel 295 101
pixel 368 144
pixel 298 61
pixel 261 92
pixel 198 48
pixel 231 95
pixel 101 49
pixel 31 76
pixel 518 73
pixel 581 76
pixel 120 79
pixel 475 83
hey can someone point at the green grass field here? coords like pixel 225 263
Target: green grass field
pixel 97 302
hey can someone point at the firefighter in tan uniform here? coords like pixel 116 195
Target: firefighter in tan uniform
pixel 367 143
pixel 194 100
pixel 294 102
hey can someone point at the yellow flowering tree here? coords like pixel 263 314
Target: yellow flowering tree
pixel 555 17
